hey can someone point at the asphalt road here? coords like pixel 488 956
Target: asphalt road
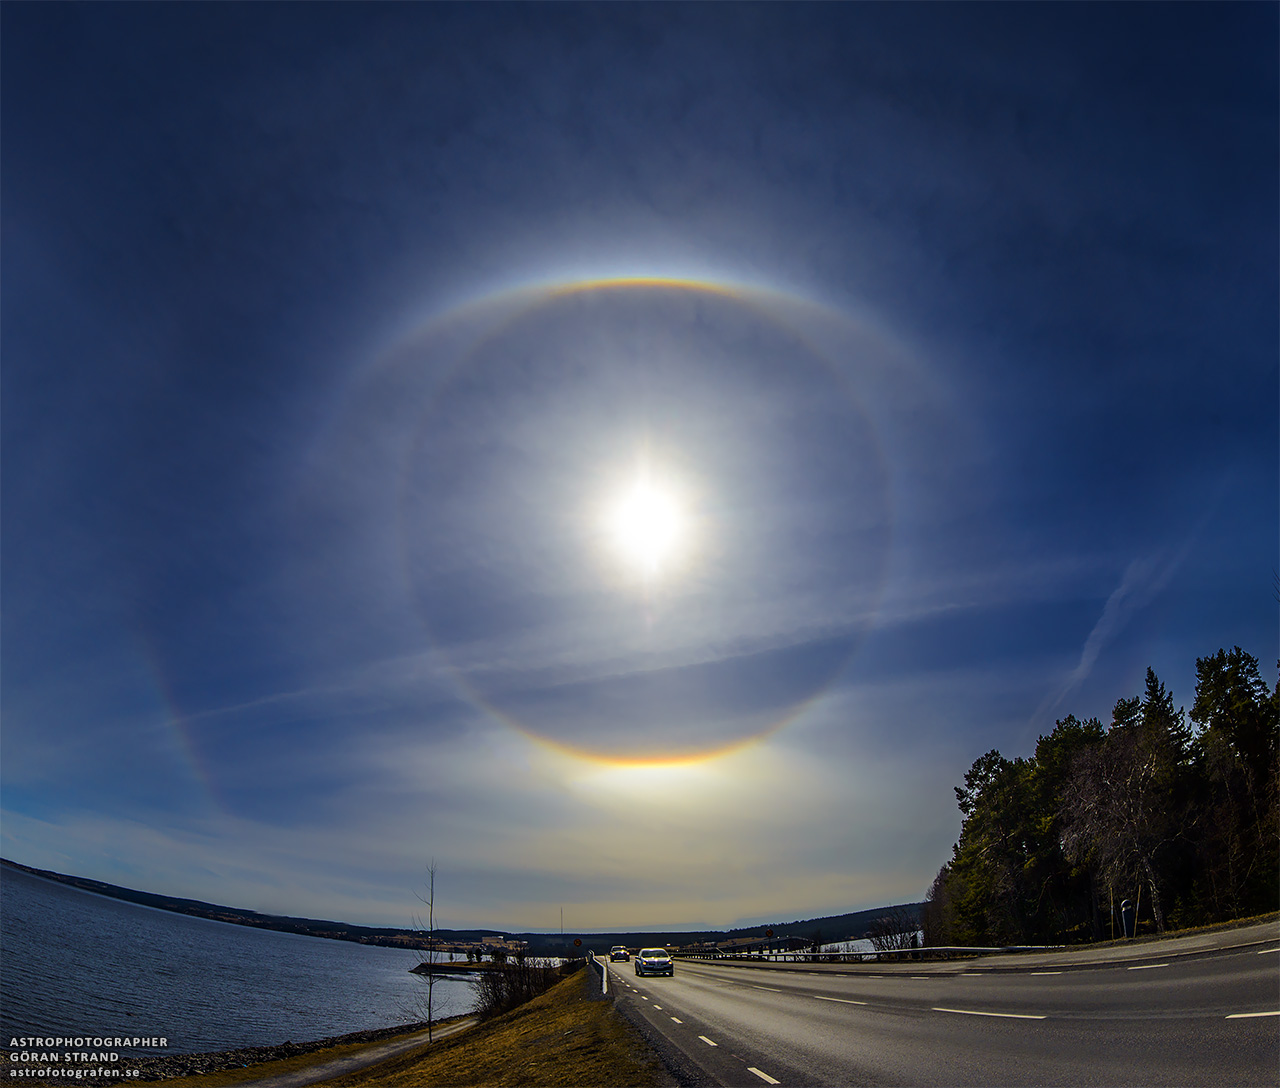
pixel 1205 1011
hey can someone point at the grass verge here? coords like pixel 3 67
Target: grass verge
pixel 565 1038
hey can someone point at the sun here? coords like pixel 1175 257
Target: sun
pixel 647 524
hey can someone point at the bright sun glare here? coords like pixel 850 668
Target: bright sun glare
pixel 647 525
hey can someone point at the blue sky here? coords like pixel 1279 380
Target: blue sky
pixel 638 456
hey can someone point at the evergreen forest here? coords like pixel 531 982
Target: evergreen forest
pixel 1177 813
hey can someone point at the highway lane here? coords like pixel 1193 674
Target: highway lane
pixel 1177 1020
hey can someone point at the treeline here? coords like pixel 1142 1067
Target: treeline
pixel 1178 813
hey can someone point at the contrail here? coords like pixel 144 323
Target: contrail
pixel 1142 582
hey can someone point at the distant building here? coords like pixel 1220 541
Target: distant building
pixel 699 948
pixel 490 944
pixel 763 944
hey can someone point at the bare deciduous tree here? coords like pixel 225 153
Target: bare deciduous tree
pixel 896 930
pixel 430 956
pixel 510 984
pixel 1120 807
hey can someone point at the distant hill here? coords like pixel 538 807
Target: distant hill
pixel 837 927
pixel 312 927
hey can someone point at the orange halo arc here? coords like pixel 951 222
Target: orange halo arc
pixel 527 297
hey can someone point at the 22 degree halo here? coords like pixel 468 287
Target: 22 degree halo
pixel 643 520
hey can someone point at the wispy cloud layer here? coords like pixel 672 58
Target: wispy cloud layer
pixel 312 430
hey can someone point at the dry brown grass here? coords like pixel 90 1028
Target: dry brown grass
pixel 568 1037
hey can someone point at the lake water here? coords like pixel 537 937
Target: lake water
pixel 863 945
pixel 76 963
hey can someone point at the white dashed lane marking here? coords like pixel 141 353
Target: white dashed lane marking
pixel 1251 1015
pixel 763 1076
pixel 1005 1015
pixel 1042 973
pixel 769 988
pixel 659 1007
pixel 1269 951
pixel 842 1000
pixel 677 1020
pixel 1147 966
pixel 709 1042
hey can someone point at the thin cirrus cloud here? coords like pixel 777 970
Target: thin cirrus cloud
pixel 1143 581
pixel 331 337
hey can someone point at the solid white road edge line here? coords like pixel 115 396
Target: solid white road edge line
pixel 709 1042
pixel 763 1076
pixel 842 1000
pixel 1005 1015
pixel 1043 973
pixel 1251 1015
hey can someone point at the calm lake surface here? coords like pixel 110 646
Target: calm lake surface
pixel 73 962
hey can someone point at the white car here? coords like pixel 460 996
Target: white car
pixel 654 961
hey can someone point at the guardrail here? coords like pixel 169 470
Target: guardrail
pixel 604 971
pixel 927 952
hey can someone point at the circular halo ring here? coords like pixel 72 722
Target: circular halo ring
pixel 519 301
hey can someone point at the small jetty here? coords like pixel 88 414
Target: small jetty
pixel 447 968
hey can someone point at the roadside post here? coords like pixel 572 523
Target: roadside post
pixel 1127 917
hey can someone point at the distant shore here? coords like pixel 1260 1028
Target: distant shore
pixel 850 926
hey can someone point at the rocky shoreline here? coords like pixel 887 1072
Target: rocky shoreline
pixel 169 1066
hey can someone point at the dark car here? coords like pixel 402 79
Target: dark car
pixel 654 961
pixel 619 952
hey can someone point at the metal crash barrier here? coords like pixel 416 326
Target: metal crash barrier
pixel 603 968
pixel 926 953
